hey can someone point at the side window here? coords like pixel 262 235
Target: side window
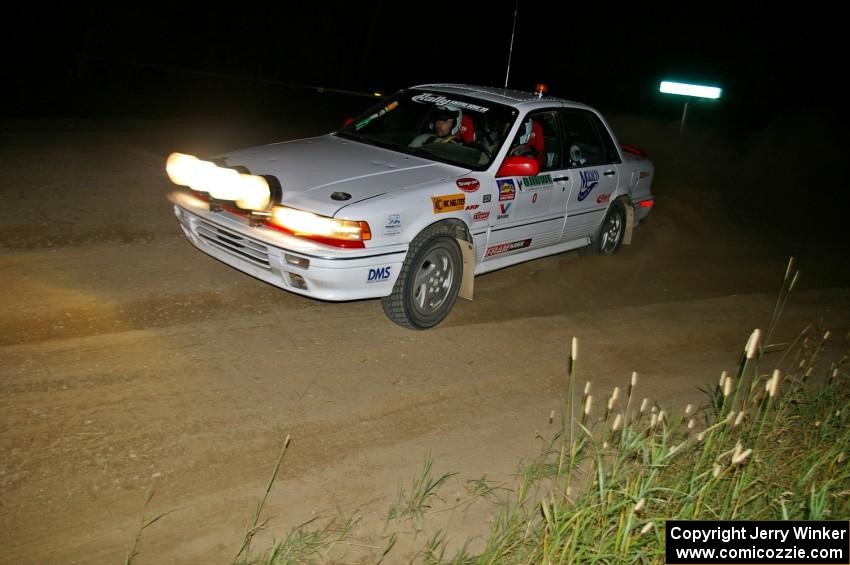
pixel 539 137
pixel 611 153
pixel 585 147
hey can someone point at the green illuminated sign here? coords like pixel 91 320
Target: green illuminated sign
pixel 694 90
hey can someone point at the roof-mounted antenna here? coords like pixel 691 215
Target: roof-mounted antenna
pixel 511 52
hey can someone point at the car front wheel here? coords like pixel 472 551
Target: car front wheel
pixel 429 281
pixel 609 236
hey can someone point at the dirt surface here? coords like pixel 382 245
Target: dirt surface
pixel 130 361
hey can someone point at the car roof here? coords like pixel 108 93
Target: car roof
pixel 510 97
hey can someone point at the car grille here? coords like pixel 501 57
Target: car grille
pixel 237 245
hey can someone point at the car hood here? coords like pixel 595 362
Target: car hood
pixel 311 170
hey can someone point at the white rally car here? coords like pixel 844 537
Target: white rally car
pixel 412 199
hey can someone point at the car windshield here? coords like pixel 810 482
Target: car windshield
pixel 450 128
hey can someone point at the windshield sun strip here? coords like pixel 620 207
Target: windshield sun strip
pixel 510 113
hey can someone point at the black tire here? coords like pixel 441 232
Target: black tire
pixel 429 281
pixel 609 236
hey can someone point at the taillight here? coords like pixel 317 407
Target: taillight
pixel 633 150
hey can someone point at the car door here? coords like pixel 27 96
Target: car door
pixel 528 212
pixel 593 165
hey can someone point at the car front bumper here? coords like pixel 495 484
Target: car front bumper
pixel 291 263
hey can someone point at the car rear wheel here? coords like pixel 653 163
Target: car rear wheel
pixel 609 236
pixel 429 281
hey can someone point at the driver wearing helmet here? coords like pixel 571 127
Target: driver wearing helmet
pixel 446 124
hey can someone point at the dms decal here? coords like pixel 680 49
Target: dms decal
pixel 378 275
pixel 589 181
pixel 393 226
pixel 480 216
pixel 486 198
pixel 507 189
pixel 467 184
pixel 448 203
pixel 505 247
pixel 603 198
pixel 504 210
pixel 540 182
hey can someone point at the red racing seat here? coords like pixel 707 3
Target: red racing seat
pixel 531 142
pixel 536 142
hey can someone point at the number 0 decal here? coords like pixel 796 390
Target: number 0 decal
pixel 534 198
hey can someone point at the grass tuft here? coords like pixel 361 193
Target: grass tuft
pixel 412 503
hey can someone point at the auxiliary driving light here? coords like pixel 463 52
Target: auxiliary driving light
pixel 249 192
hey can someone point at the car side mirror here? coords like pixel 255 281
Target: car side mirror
pixel 517 166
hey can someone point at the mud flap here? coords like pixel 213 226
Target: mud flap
pixel 468 280
pixel 630 224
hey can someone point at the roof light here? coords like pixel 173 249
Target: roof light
pixel 541 89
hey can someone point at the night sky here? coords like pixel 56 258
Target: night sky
pixel 139 60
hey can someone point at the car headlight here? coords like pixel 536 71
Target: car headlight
pixel 340 233
pixel 250 192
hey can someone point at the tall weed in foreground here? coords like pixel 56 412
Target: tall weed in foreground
pixel 768 445
pixel 306 543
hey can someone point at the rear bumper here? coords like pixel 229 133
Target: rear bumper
pixel 642 208
pixel 291 263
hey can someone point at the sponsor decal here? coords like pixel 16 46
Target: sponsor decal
pixel 448 203
pixel 443 101
pixel 472 207
pixel 504 210
pixel 480 216
pixel 506 247
pixel 603 198
pixel 468 184
pixel 507 189
pixel 589 181
pixel 540 182
pixel 486 198
pixel 380 274
pixel 393 226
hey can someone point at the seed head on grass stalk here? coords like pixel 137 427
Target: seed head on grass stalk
pixel 772 385
pixel 588 406
pixel 617 421
pixel 612 400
